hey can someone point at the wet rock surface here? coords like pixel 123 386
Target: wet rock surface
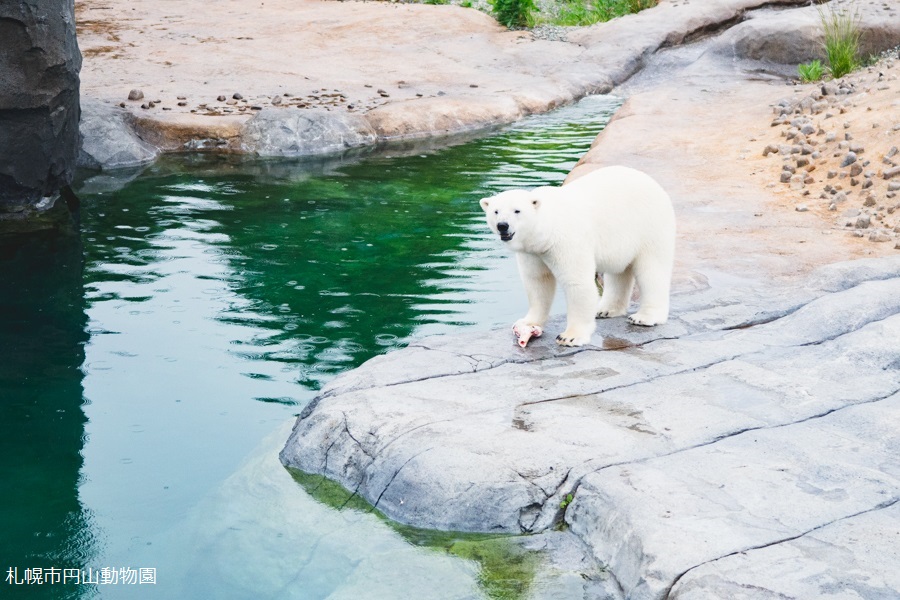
pixel 737 425
pixel 39 107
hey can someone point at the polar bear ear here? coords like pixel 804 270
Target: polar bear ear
pixel 485 204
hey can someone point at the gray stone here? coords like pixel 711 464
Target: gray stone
pixel 39 106
pixel 849 159
pixel 891 173
pixel 135 95
pixel 310 132
pixel 854 557
pixel 108 140
pixel 863 221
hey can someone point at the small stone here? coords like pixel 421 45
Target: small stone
pixel 231 102
pixel 220 98
pixel 840 197
pixel 849 159
pixel 786 176
pixel 870 200
pixel 256 107
pixel 802 161
pixel 276 100
pixel 848 136
pixel 891 173
pixel 832 206
pixel 182 103
pixel 892 152
pixel 801 208
pixel 830 136
pixel 854 181
pixel 237 96
pixel 894 186
pixel 863 221
pixel 181 97
pixel 867 184
pixel 808 180
pixel 857 148
pixel 135 95
pixel 145 106
pixel 121 104
pixel 855 170
pixel 807 129
pixel 771 148
pixel 879 236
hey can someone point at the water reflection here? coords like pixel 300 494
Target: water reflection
pixel 219 295
pixel 42 339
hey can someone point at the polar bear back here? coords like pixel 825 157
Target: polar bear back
pixel 621 213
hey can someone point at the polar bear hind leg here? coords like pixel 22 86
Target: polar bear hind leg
pixel 654 276
pixel 616 296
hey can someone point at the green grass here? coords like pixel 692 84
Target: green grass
pixel 588 12
pixel 842 36
pixel 514 13
pixel 811 71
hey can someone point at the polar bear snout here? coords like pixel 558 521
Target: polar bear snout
pixel 503 229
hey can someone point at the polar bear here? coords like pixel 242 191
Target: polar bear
pixel 616 221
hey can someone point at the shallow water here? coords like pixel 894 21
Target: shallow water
pixel 153 368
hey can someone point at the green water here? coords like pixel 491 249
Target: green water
pixel 152 368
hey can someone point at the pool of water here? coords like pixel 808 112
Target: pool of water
pixel 153 367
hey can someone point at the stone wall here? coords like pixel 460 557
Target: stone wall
pixel 39 105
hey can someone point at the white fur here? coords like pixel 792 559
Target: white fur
pixel 616 221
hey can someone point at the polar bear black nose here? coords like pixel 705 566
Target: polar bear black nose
pixel 502 226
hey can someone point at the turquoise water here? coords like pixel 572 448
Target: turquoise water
pixel 153 367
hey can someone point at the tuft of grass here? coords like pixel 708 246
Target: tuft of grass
pixel 842 36
pixel 811 71
pixel 513 13
pixel 588 12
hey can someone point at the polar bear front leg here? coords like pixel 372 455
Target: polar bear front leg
pixel 581 306
pixel 540 287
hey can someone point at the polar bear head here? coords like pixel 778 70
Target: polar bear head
pixel 514 216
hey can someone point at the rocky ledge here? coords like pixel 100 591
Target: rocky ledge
pixel 750 440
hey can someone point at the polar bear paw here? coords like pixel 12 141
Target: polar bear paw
pixel 646 320
pixel 572 337
pixel 609 314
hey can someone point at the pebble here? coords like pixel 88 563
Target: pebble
pixel 831 174
pixel 891 173
pixel 220 98
pixel 894 186
pixel 830 136
pixel 771 148
pixel 840 197
pixel 855 170
pixel 849 159
pixel 863 221
pixel 870 200
pixel 182 103
pixel 135 95
pixel 892 152
pixel 276 100
pixel 237 96
pixel 879 236
pixel 785 176
pixel 801 208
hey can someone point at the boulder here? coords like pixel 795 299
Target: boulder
pixel 39 104
pixel 279 132
pixel 108 140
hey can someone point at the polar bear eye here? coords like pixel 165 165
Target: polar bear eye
pixel 496 212
pixel 518 211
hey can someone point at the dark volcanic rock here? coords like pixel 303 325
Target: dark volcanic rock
pixel 39 105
